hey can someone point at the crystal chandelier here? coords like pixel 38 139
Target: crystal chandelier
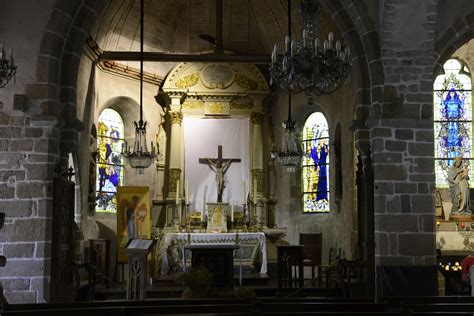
pixel 7 67
pixel 140 158
pixel 290 153
pixel 309 65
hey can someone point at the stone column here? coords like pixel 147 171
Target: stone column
pixel 257 168
pixel 176 118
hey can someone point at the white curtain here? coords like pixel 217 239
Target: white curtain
pixel 201 138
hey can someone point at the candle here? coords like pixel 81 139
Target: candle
pixel 293 48
pixel 244 201
pixel 187 191
pixel 232 212
pixel 287 43
pixel 177 192
pixel 202 215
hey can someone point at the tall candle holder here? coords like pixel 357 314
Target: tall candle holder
pixel 253 220
pixel 187 217
pixel 244 218
pixel 177 218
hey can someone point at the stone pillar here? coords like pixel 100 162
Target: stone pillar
pixel 176 118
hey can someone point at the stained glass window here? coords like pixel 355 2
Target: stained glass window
pixel 110 140
pixel 452 119
pixel 315 164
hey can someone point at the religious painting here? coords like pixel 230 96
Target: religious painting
pixel 133 216
pixel 217 217
pixel 315 164
pixel 110 159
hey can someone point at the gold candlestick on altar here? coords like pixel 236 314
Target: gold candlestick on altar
pixel 244 219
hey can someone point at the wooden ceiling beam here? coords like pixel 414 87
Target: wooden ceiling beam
pixel 165 57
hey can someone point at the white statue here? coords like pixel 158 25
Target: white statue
pixel 458 179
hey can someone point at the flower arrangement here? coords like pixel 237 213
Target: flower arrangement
pixel 450 266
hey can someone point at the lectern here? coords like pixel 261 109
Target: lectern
pixel 137 251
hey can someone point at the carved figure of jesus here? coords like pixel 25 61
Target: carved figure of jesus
pixel 220 167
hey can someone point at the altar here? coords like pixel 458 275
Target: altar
pixel 174 243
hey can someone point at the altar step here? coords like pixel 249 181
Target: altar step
pixel 160 292
pixel 248 278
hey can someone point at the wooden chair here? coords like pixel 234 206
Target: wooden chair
pixel 332 270
pixel 312 252
pixel 289 269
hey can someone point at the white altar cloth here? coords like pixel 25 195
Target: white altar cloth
pixel 212 238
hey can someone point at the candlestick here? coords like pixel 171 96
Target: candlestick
pixel 232 213
pixel 177 192
pixel 187 191
pixel 244 193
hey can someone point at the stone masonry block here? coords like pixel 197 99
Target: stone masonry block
pixel 33 132
pixel 421 149
pixel 20 297
pixel 6 192
pixel 381 244
pixel 395 145
pixel 393 244
pixel 39 171
pixel 390 172
pixel 31 229
pixel 417 244
pixel 388 158
pixel 43 250
pixel 15 284
pixel 424 165
pixel 393 204
pixel 424 136
pixel 383 187
pixel 25 268
pixel 16 208
pixel 404 134
pixel 396 223
pixel 404 187
pixel 17 250
pixel 405 203
pixel 422 203
pixel 428 223
pixel 21 145
pixel 28 190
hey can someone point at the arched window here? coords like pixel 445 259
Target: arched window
pixel 452 120
pixel 315 164
pixel 110 134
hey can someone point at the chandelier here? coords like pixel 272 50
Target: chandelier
pixel 140 158
pixel 290 153
pixel 7 67
pixel 310 65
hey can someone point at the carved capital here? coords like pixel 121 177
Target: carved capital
pixel 176 117
pixel 256 118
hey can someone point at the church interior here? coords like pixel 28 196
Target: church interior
pixel 199 156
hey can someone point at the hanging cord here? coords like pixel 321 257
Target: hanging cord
pixel 142 15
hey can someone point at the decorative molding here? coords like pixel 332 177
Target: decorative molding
pixel 241 104
pixel 187 81
pixel 217 76
pixel 217 108
pixel 175 174
pixel 193 104
pixel 256 118
pixel 245 83
pixel 176 117
pixel 257 174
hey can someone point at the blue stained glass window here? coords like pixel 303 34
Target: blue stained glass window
pixel 315 164
pixel 110 140
pixel 452 119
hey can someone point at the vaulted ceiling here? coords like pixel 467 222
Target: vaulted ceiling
pixel 174 26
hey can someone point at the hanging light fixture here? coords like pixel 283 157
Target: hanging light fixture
pixel 290 153
pixel 310 65
pixel 140 158
pixel 7 67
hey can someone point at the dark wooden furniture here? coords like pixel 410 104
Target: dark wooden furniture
pixel 100 259
pixel 312 252
pixel 137 251
pixel 218 259
pixel 289 268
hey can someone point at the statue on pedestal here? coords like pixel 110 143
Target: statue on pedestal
pixel 459 188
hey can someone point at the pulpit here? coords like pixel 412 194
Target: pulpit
pixel 218 259
pixel 137 251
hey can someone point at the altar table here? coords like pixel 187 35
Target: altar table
pixel 212 238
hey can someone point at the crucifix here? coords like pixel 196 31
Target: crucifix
pixel 220 166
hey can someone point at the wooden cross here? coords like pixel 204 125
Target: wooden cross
pixel 220 166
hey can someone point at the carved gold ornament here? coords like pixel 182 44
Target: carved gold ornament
pixel 245 83
pixel 241 104
pixel 187 81
pixel 193 105
pixel 176 117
